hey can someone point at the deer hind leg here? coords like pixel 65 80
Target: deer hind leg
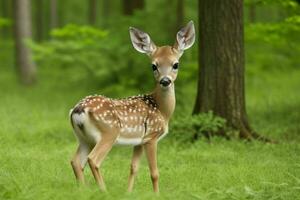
pixel 96 157
pixel 79 161
pixel 137 153
pixel 151 151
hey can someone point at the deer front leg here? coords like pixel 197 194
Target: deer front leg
pixel 151 153
pixel 96 157
pixel 79 161
pixel 137 153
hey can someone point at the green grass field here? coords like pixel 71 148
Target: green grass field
pixel 37 143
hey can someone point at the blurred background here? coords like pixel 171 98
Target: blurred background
pixel 74 48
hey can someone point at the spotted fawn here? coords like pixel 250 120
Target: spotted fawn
pixel 141 121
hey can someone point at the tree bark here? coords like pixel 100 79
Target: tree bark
pixel 39 19
pixel 92 12
pixel 53 14
pixel 130 5
pixel 105 12
pixel 180 14
pixel 221 85
pixel 25 66
pixel 252 13
pixel 127 7
pixel 138 4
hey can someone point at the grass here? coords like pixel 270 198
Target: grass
pixel 37 143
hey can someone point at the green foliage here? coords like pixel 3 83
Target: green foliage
pixel 74 46
pixel 276 33
pixel 95 55
pixel 186 128
pixel 284 3
pixel 5 22
pixel 85 35
pixel 282 40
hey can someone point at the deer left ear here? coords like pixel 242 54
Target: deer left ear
pixel 185 38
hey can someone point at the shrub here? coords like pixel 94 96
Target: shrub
pixel 187 128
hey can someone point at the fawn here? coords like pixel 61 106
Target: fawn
pixel 141 121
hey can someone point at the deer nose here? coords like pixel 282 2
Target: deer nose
pixel 165 81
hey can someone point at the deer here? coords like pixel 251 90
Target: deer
pixel 140 121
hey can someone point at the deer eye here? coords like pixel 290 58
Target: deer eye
pixel 154 67
pixel 175 66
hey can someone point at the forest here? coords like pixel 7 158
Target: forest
pixel 235 131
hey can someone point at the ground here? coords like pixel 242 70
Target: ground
pixel 37 144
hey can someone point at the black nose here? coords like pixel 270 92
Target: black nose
pixel 165 81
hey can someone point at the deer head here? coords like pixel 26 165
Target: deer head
pixel 164 59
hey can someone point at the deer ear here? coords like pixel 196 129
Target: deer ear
pixel 185 38
pixel 141 41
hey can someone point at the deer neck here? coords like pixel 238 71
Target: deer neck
pixel 165 99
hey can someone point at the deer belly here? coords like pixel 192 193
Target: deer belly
pixel 131 135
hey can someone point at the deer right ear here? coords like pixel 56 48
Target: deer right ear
pixel 141 41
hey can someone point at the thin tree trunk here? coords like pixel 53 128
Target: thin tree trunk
pixel 127 7
pixel 169 20
pixel 39 19
pixel 92 12
pixel 138 4
pixel 105 12
pixel 130 5
pixel 252 13
pixel 221 85
pixel 180 14
pixel 53 14
pixel 25 66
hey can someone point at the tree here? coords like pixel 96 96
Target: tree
pixel 39 19
pixel 130 5
pixel 105 12
pixel 221 60
pixel 53 14
pixel 138 4
pixel 92 11
pixel 180 14
pixel 252 12
pixel 25 66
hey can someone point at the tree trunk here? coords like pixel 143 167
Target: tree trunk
pixel 39 19
pixel 105 12
pixel 130 5
pixel 127 7
pixel 180 15
pixel 53 14
pixel 25 66
pixel 138 4
pixel 92 12
pixel 221 59
pixel 252 13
